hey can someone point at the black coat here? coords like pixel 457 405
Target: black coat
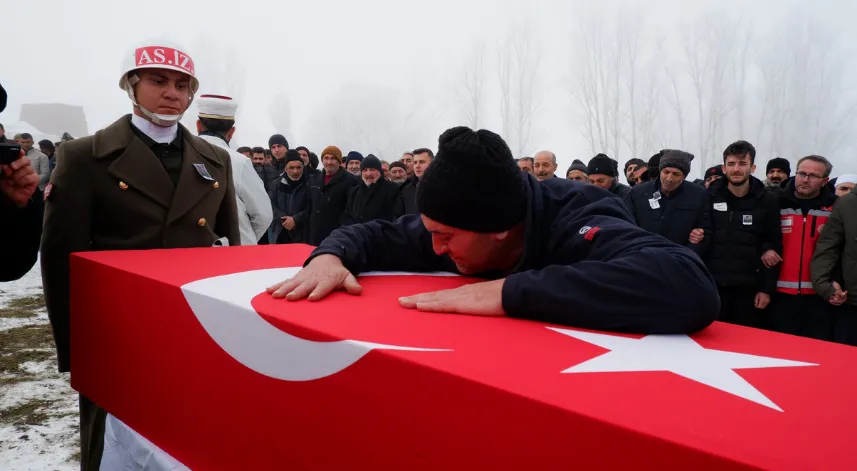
pixel 367 203
pixel 20 235
pixel 742 230
pixel 289 198
pixel 267 173
pixel 580 249
pixel 327 203
pixel 407 201
pixel 620 189
pixel 674 216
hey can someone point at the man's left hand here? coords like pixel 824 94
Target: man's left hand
pixel 479 299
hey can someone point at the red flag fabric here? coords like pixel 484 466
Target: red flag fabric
pixel 185 347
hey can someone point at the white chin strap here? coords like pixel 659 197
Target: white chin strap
pixel 165 120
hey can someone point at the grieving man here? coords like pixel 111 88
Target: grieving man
pixel 552 251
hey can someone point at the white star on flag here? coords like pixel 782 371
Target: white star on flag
pixel 681 355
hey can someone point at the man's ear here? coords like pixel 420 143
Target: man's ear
pixel 230 133
pixel 198 126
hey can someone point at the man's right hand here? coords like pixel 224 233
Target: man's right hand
pixel 839 296
pixel 18 181
pixel 771 258
pixel 322 276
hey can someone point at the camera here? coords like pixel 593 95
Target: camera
pixel 9 153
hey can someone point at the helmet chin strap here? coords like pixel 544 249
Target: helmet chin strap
pixel 164 120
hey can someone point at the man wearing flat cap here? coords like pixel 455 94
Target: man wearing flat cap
pixel 542 247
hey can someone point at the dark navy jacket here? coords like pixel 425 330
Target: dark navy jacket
pixel 586 264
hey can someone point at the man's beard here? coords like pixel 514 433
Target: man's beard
pixel 398 180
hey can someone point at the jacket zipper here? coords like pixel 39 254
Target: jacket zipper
pixel 800 266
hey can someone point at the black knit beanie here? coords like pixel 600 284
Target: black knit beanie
pixel 354 155
pixel 601 165
pixel 576 165
pixel 370 161
pixel 278 139
pixel 473 183
pixel 293 155
pixel 716 170
pixel 779 163
pixel 676 159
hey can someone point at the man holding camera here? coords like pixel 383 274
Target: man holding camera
pixel 20 213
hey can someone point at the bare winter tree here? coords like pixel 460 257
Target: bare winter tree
pixel 596 86
pixel 710 49
pixel 470 91
pixel 518 69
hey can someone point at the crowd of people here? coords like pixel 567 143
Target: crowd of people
pixel 781 250
pixel 658 255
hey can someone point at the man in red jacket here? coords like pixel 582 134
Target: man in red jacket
pixel 805 205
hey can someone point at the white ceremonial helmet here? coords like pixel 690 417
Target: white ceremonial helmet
pixel 157 55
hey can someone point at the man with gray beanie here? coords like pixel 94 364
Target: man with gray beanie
pixel 669 206
pixel 553 251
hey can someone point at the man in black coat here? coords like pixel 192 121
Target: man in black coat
pixel 670 206
pixel 407 203
pixel 290 202
pixel 554 251
pixel 328 193
pixel 745 226
pixel 604 172
pixel 373 198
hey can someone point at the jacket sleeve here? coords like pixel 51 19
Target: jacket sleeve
pixel 703 221
pixel 399 205
pixel 68 218
pixel 626 279
pixel 404 245
pixel 828 251
pixel 628 199
pixel 256 200
pixel 227 214
pixel 302 217
pixel 20 236
pixel 273 201
pixel 44 169
pixel 346 218
pixel 773 240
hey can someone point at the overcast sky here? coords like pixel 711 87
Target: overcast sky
pixel 69 51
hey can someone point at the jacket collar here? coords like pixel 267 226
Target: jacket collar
pixel 119 136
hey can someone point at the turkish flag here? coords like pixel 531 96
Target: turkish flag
pixel 185 347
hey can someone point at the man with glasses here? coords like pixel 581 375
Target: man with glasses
pixel 805 205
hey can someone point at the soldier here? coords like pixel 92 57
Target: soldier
pixel 144 182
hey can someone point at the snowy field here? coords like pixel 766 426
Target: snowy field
pixel 38 409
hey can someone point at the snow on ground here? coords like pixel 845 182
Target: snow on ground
pixel 38 408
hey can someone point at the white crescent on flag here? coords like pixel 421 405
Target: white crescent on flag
pixel 222 304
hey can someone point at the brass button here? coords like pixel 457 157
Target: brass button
pixel 201 222
pixel 216 185
pixel 123 186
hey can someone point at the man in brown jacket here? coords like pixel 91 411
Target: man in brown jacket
pixel 144 182
pixel 834 267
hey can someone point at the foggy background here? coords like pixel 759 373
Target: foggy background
pixel 626 78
